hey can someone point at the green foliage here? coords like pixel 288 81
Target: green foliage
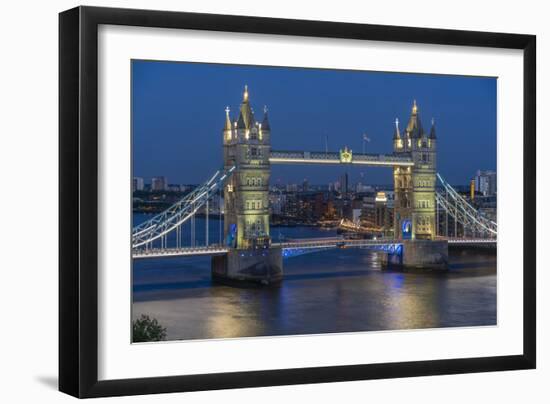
pixel 146 329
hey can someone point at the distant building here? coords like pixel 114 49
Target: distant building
pixel 368 214
pixel 361 188
pixel 292 188
pixel 277 203
pixel 174 187
pixel 487 205
pixel 291 206
pixel 215 205
pixel 159 184
pixel 486 182
pixel 383 206
pixel 344 183
pixel 356 216
pixel 330 212
pixel 305 185
pixel 138 184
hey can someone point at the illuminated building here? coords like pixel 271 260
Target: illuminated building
pixel 159 184
pixel 486 182
pixel 384 210
pixel 247 145
pixel 361 188
pixel 414 215
pixel 137 184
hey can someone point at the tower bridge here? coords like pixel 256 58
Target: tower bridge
pixel 248 253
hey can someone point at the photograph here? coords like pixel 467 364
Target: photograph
pixel 274 202
pixel 281 201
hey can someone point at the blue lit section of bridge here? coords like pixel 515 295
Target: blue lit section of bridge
pixel 299 246
pixel 289 247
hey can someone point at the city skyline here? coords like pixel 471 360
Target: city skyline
pixel 171 100
pixel 331 182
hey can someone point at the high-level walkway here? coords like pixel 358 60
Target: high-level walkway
pixel 306 157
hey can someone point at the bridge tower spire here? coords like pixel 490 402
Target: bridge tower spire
pixel 227 127
pixel 397 140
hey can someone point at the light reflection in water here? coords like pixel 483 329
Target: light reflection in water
pixel 342 290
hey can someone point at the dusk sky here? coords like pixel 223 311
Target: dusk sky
pixel 178 116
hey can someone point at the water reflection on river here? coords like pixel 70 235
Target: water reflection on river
pixel 340 290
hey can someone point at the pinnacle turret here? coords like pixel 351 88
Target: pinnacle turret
pixel 246 116
pixel 396 132
pixel 227 126
pixel 414 127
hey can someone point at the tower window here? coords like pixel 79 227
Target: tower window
pixel 253 204
pixel 423 204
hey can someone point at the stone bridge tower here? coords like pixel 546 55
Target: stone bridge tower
pixel 414 218
pixel 247 146
pixel 415 186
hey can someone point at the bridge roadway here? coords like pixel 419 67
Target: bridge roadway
pixel 382 244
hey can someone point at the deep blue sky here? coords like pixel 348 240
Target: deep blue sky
pixel 178 115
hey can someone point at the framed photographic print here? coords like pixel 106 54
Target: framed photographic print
pixel 251 201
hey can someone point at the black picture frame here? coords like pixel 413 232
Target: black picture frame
pixel 78 196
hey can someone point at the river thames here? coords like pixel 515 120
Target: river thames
pixel 340 290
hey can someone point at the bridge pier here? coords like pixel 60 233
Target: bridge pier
pixel 262 266
pixel 419 254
